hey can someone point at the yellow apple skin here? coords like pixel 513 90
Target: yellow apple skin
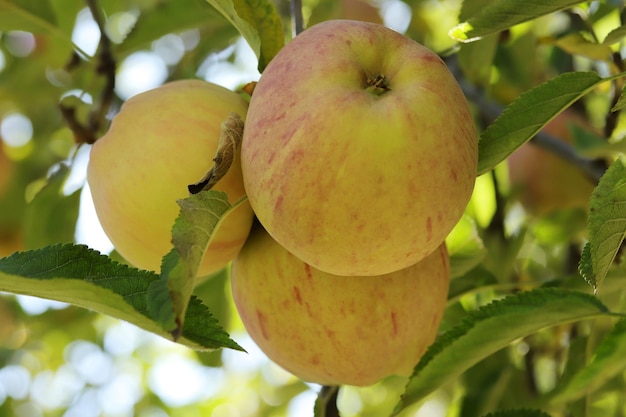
pixel 351 181
pixel 337 330
pixel 544 181
pixel 161 141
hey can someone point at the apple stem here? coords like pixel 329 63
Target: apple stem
pixel 326 403
pixel 297 20
pixel 377 84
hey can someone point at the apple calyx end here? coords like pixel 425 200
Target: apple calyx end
pixel 377 84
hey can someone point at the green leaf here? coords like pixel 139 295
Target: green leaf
pixel 608 361
pixel 65 12
pixel 176 17
pixel 492 328
pixel 51 217
pixel 29 15
pixel 45 17
pixel 576 44
pixel 471 7
pixel 504 14
pixel 606 224
pixel 621 101
pixel 527 115
pixel 200 215
pixel 472 281
pixel 36 16
pixel 465 247
pixel 615 36
pixel 258 22
pixel 476 60
pixel 577 359
pixel 214 292
pixel 81 276
pixel 585 266
pixel 518 413
pixel 161 307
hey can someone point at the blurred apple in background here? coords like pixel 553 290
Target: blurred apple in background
pixel 362 10
pixel 7 169
pixel 10 236
pixel 545 182
pixel 10 241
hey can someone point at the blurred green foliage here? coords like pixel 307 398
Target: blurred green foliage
pixel 58 360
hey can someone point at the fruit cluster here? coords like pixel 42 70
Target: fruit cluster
pixel 358 157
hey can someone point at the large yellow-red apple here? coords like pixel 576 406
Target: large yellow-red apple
pixel 543 181
pixel 161 141
pixel 331 329
pixel 359 153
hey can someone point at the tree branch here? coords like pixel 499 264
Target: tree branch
pixel 593 169
pixel 297 21
pixel 106 65
pixel 106 68
pixel 326 403
pixel 490 110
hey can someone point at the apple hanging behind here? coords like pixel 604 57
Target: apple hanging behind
pixel 337 330
pixel 545 183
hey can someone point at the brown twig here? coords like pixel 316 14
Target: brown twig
pixel 106 68
pixel 326 403
pixel 106 65
pixel 490 110
pixel 297 20
pixel 612 117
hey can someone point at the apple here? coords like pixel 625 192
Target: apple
pixel 161 141
pixel 10 242
pixel 337 330
pixel 359 154
pixel 7 169
pixel 360 10
pixel 543 181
